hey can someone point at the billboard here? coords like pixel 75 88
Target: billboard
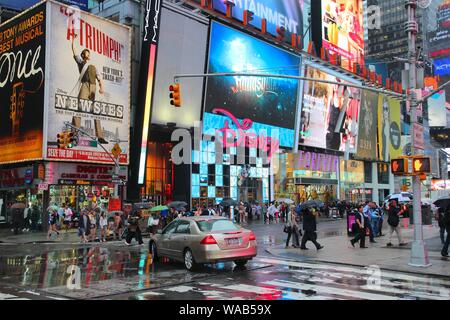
pixel 442 66
pixel 367 141
pixel 292 15
pixel 22 73
pixel 25 4
pixel 343 30
pixel 89 85
pixel 439 39
pixel 175 57
pixel 330 113
pixel 266 104
pixel 389 132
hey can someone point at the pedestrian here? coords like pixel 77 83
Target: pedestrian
pixel 393 221
pixel 361 223
pixel 444 251
pixel 84 226
pixel 103 224
pixel 368 209
pixel 133 230
pixel 118 225
pixel 67 217
pixel 35 214
pixel 61 210
pixel 241 213
pixel 26 218
pixel 93 225
pixel 292 228
pixel 310 228
pixel 53 220
pixel 440 214
pixel 271 212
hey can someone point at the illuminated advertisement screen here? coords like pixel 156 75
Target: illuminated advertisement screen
pixel 439 39
pixel 290 14
pixel 252 104
pixel 343 30
pixel 25 4
pixel 330 113
pixel 442 66
pixel 22 72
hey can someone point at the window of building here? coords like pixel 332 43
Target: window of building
pixel 368 172
pixel 383 173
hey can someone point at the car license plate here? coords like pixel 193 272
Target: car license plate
pixel 233 241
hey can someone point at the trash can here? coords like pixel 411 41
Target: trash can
pixel 427 216
pixel 351 220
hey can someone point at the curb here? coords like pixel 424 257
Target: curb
pixel 359 266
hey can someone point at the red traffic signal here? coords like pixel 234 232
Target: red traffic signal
pixel 175 96
pixel 421 165
pixel 399 166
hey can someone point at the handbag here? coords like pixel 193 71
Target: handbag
pixel 287 229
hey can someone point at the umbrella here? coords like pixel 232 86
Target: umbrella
pixel 177 204
pixel 159 208
pixel 285 200
pixel 442 202
pixel 18 205
pixel 228 202
pixel 311 203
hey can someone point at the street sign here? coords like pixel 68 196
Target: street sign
pixel 43 186
pixel 116 151
pixel 418 137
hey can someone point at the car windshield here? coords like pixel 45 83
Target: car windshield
pixel 216 225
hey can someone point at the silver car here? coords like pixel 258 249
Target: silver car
pixel 203 239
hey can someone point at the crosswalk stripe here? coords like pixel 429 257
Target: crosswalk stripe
pixel 330 290
pixel 360 270
pixel 383 286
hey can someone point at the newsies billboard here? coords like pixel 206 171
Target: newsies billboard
pixel 88 76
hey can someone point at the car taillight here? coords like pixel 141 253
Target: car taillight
pixel 252 237
pixel 209 240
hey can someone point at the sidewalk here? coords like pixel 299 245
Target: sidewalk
pixel 6 236
pixel 339 250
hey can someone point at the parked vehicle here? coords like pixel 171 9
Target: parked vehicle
pixel 203 239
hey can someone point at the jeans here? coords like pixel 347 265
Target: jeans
pixel 444 251
pixel 361 237
pixel 442 234
pixel 375 227
pixel 398 230
pixel 295 240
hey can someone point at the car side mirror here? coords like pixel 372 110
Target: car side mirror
pixel 159 231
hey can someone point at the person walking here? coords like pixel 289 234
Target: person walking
pixel 103 224
pixel 271 212
pixel 53 220
pixel 133 230
pixel 361 222
pixel 67 217
pixel 118 226
pixel 446 219
pixel 84 226
pixel 292 228
pixel 241 213
pixel 310 228
pixel 440 214
pixel 393 221
pixel 35 214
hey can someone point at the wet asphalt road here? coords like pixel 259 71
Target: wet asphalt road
pixel 115 271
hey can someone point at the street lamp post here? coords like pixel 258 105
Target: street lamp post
pixel 419 252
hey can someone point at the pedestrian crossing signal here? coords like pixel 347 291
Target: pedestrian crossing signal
pixel 175 97
pixel 421 165
pixel 399 167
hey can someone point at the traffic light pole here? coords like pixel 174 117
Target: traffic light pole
pixel 116 161
pixel 419 252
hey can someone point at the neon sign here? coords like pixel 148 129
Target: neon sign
pixel 241 137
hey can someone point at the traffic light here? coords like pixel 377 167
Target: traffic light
pixel 421 165
pixel 175 97
pixel 399 167
pixel 72 139
pixel 62 140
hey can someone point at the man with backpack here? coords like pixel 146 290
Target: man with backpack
pixel 393 221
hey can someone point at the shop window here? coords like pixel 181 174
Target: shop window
pixel 368 172
pixel 383 173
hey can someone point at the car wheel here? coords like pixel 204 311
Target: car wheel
pixel 240 263
pixel 189 261
pixel 153 251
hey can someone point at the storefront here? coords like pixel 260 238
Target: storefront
pixel 20 185
pixel 81 185
pixel 352 182
pixel 307 176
